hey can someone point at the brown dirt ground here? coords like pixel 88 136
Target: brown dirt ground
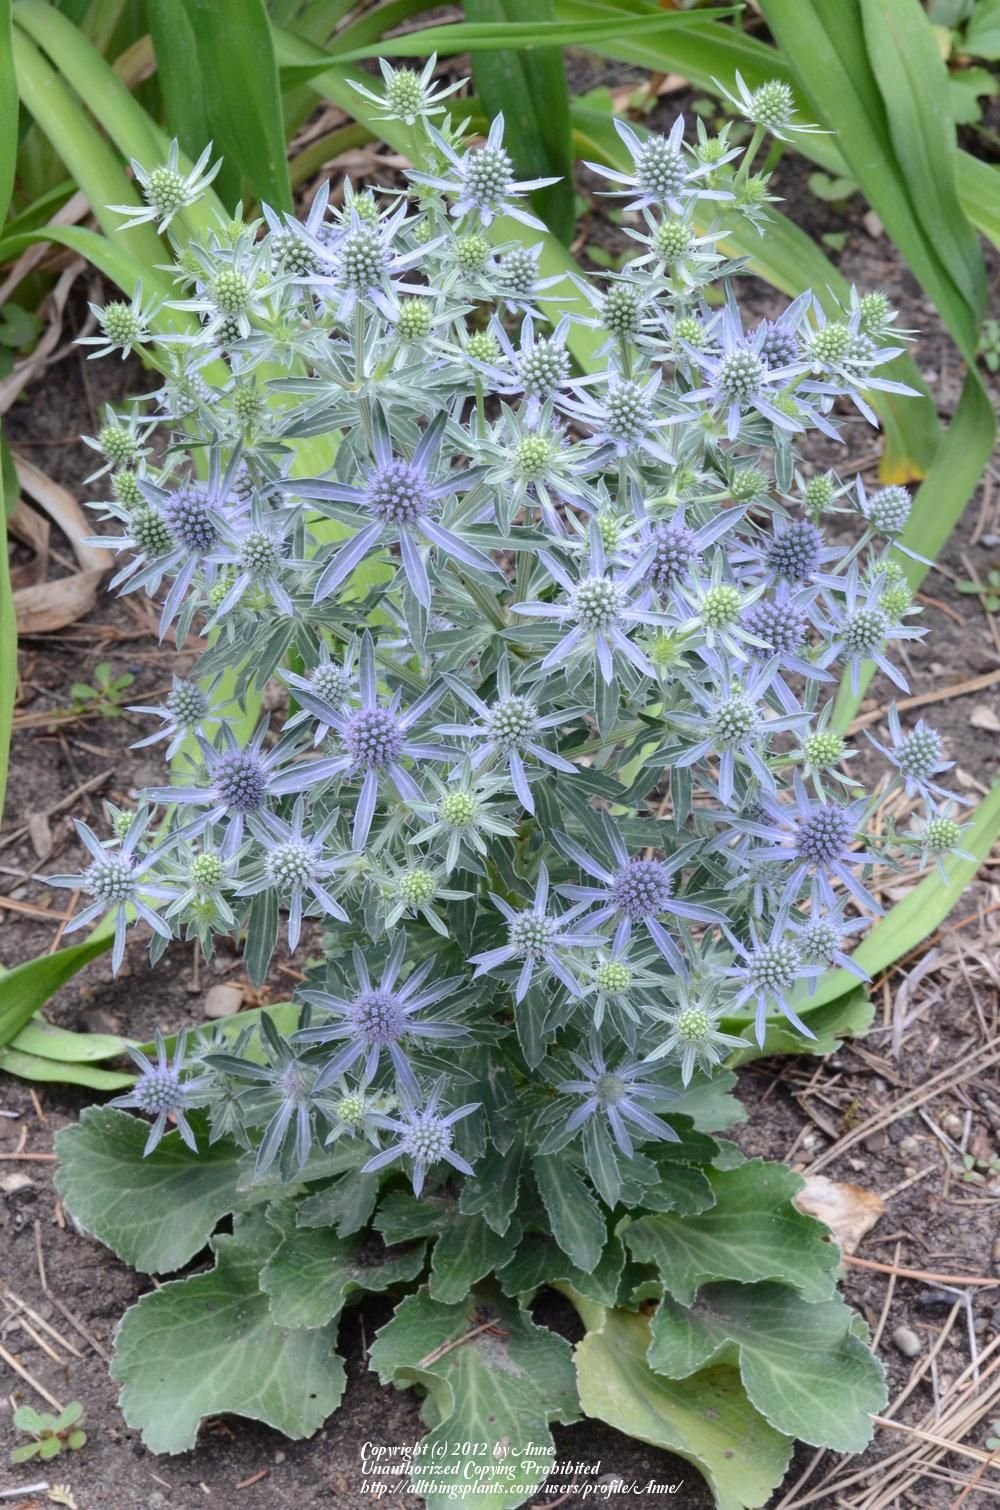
pixel 800 1109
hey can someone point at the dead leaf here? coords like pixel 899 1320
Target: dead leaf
pixel 848 1210
pixel 40 834
pixel 29 527
pixel 22 374
pixel 984 717
pixel 53 605
pixel 61 506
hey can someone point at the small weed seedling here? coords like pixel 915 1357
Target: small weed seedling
pixel 52 1434
pixel 105 697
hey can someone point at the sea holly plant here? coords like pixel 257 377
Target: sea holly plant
pixel 558 817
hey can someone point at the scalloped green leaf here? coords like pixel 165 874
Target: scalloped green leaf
pixel 540 1261
pixel 802 1365
pixel 156 1213
pixel 491 1376
pixel 578 1224
pixel 753 1232
pixel 197 1347
pixel 705 1418
pixel 346 1205
pixel 402 1217
pixel 312 1272
pixel 492 1191
pixel 467 1250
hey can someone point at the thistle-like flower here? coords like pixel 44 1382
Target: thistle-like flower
pixel 167 190
pixel 120 881
pixel 424 1136
pixel 399 501
pixel 538 940
pixel 380 1019
pixel 408 96
pixel 482 181
pixel 162 1092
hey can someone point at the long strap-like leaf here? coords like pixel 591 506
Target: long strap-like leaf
pixel 8 627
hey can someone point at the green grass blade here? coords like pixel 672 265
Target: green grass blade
pixel 88 156
pixel 8 109
pixel 979 192
pixel 40 1038
pixel 871 114
pixel 112 259
pixel 907 63
pixel 47 1071
pixel 242 93
pixel 529 89
pixel 8 647
pixel 131 129
pixel 181 86
pixel 473 37
pixel 26 988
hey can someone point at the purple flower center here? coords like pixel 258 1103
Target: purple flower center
pixel 780 348
pixel 824 835
pixel 794 554
pixel 781 625
pixel 241 781
pixel 188 520
pixel 675 552
pixel 379 1017
pixel 398 493
pixel 641 889
pixel 158 1090
pixel 427 1138
pixel 373 738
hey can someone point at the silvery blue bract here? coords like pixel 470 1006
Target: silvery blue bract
pixel 558 776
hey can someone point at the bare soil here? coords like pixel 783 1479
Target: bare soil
pixel 800 1108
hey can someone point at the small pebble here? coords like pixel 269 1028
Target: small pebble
pixel 907 1341
pixel 223 1001
pixel 953 1124
pixel 909 1147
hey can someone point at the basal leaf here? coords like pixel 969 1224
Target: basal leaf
pixel 491 1376
pixel 802 1365
pixel 312 1272
pixel 705 1418
pixel 402 1217
pixel 540 1261
pixel 848 1015
pixel 578 1224
pixel 200 1346
pixel 754 1231
pixel 467 1251
pixel 492 1191
pixel 156 1213
pixel 345 1206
